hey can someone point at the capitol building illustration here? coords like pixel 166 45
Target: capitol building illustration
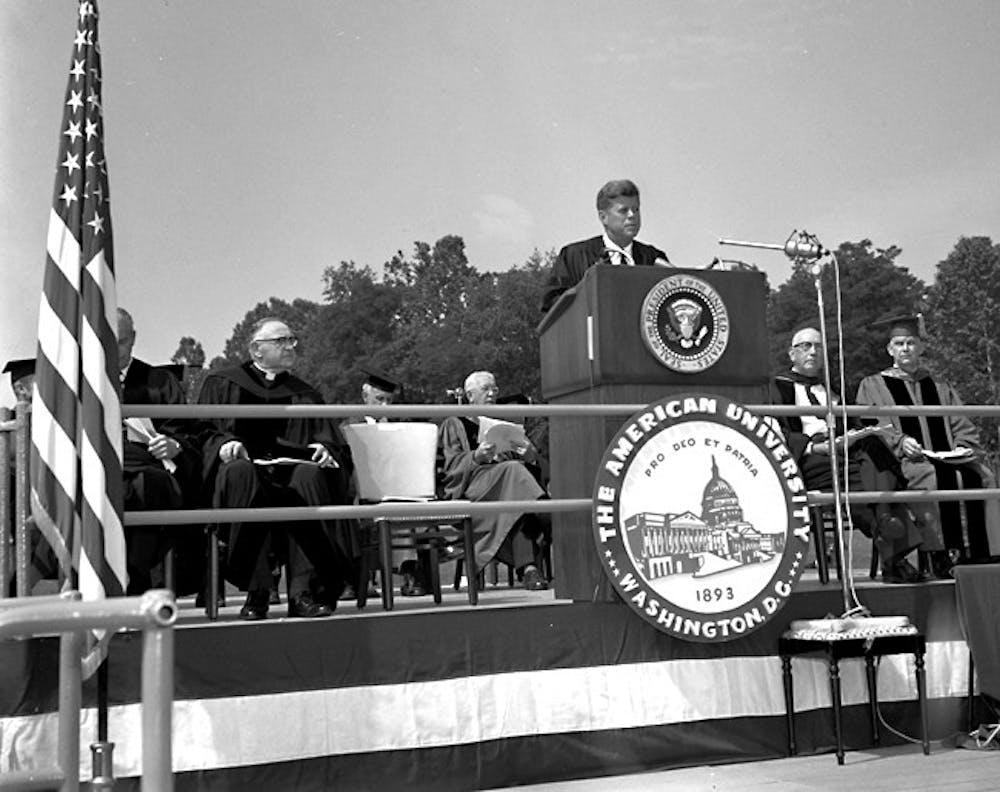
pixel 672 544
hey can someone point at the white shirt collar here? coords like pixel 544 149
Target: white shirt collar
pixel 627 250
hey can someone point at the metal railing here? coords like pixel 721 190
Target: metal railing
pixel 154 613
pixel 303 513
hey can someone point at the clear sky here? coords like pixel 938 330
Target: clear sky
pixel 251 144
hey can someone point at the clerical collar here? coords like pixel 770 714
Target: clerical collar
pixel 270 376
pixel 625 252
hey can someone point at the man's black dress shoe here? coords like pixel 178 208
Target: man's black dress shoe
pixel 303 606
pixel 255 608
pixel 533 580
pixel 899 570
pixel 942 564
pixel 411 586
pixel 349 593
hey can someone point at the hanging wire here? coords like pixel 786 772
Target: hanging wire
pixel 847 550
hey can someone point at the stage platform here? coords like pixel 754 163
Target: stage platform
pixel 524 688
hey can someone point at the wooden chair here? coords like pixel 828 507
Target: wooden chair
pixel 395 463
pixel 823 521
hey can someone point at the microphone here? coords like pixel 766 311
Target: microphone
pixel 804 246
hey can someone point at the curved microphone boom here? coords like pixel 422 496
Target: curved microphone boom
pixel 800 245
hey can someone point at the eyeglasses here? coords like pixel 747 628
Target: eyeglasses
pixel 805 346
pixel 289 342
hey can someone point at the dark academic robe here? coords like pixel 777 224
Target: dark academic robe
pixel 264 437
pixel 148 485
pixel 871 465
pixel 145 384
pixel 575 259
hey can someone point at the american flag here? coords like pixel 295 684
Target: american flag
pixel 76 427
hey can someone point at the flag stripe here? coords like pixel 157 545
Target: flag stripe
pixel 60 350
pixel 63 250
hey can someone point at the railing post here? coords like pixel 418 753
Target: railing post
pixel 70 651
pixel 157 707
pixel 22 541
pixel 6 554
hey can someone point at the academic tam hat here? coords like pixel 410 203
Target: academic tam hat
pixel 901 325
pixel 379 379
pixel 19 369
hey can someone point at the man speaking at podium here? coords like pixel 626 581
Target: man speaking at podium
pixel 618 211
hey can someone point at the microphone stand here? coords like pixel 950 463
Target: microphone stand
pixel 802 247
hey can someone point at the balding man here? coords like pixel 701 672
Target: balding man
pixel 236 466
pixel 477 469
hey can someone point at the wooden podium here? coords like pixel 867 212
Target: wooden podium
pixel 593 352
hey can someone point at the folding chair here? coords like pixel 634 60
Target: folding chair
pixel 394 463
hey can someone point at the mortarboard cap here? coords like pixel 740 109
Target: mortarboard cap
pixel 901 324
pixel 19 368
pixel 379 379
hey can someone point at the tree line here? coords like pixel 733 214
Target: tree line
pixel 430 318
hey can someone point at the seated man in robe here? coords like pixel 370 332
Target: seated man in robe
pixel 870 464
pixel 476 469
pixel 160 470
pixel 380 389
pixel 935 451
pixel 311 467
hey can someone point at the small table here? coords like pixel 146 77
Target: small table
pixel 837 648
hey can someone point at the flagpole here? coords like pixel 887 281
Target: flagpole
pixel 76 448
pixel 102 751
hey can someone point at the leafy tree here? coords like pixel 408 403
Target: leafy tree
pixel 430 320
pixel 963 332
pixel 192 356
pixel 298 315
pixel 871 284
pixel 189 352
pixel 355 327
pixel 429 342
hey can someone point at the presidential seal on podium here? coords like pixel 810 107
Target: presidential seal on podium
pixel 684 323
pixel 700 517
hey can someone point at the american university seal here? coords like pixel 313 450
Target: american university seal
pixel 700 517
pixel 684 323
